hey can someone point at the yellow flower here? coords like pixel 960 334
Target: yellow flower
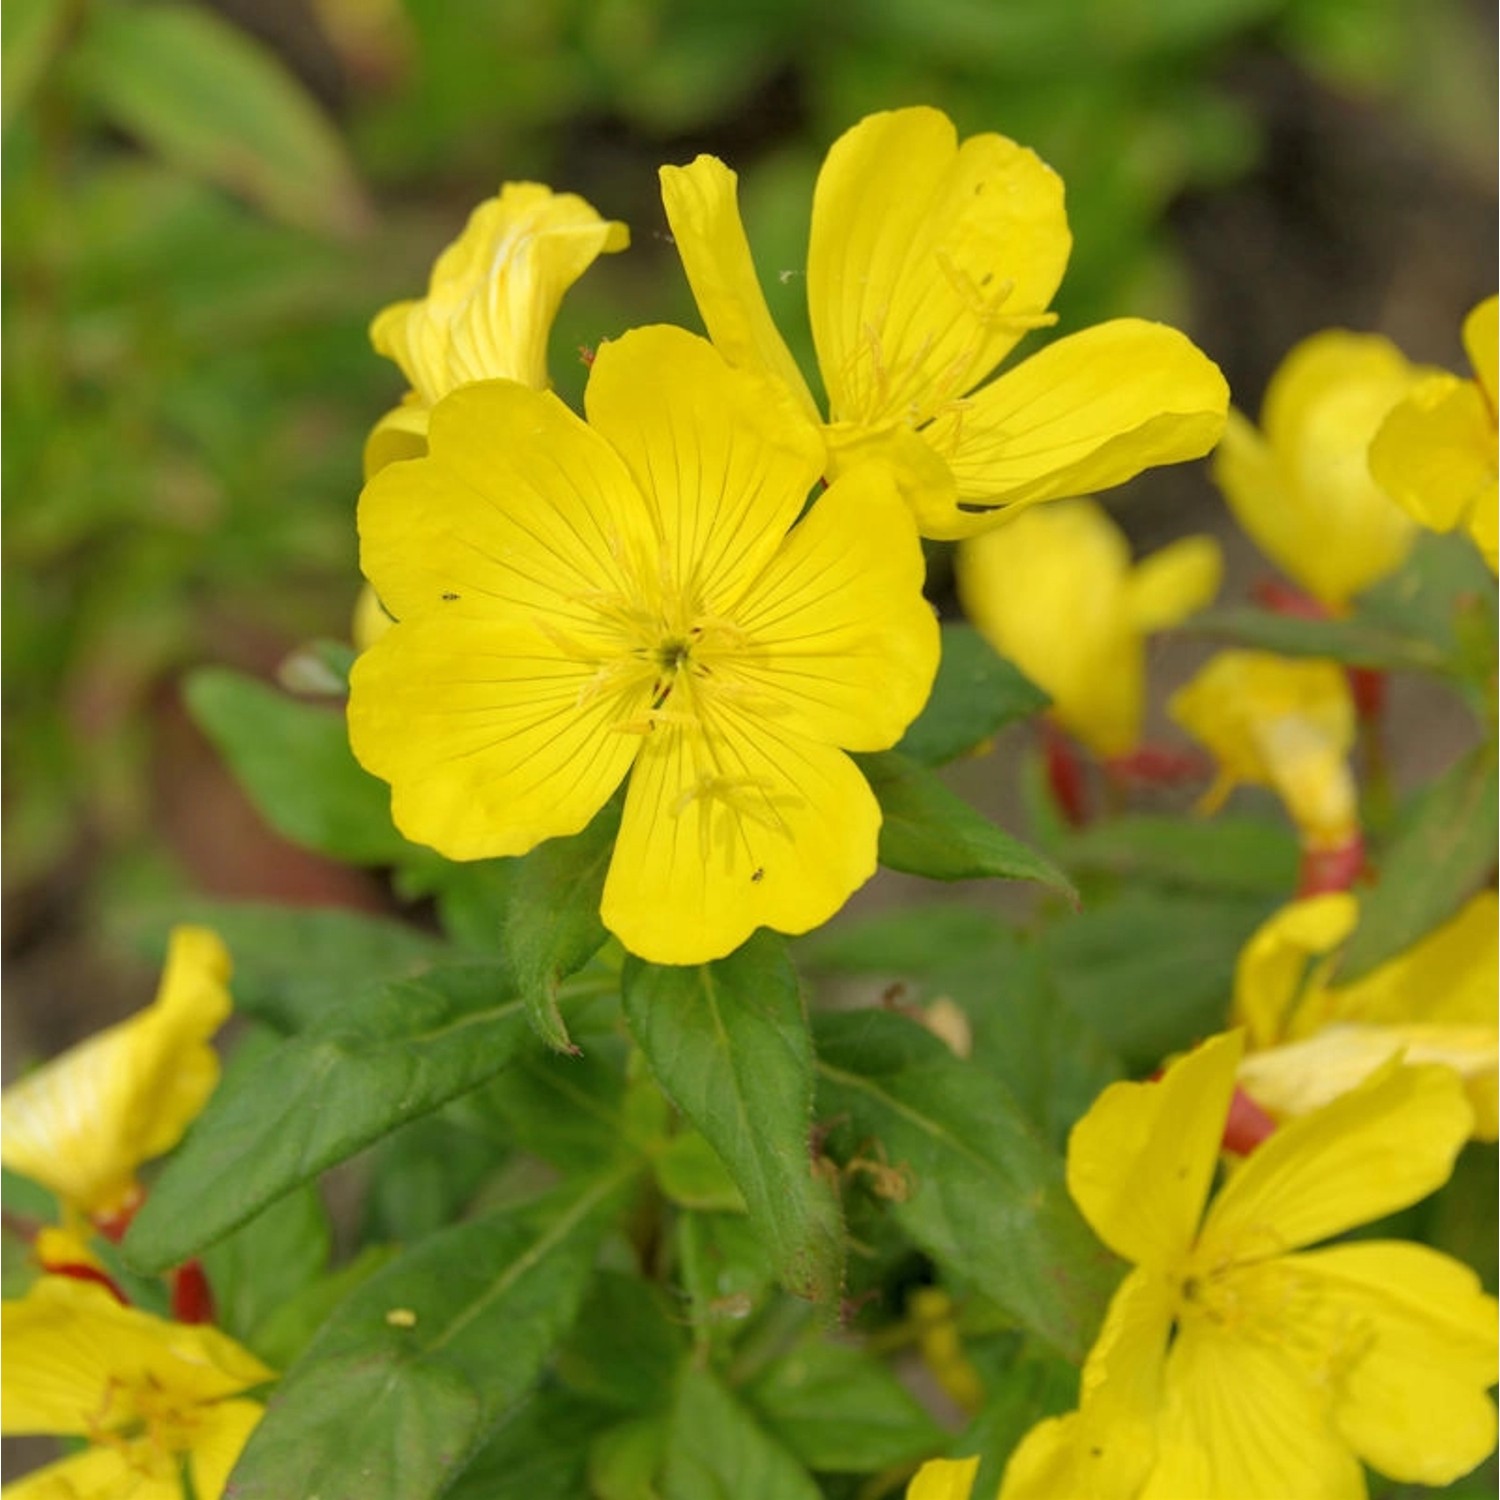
pixel 929 261
pixel 1289 725
pixel 932 1313
pixel 1055 592
pixel 1435 453
pixel 490 305
pixel 1234 1363
pixel 146 1393
pixel 581 601
pixel 944 1479
pixel 82 1124
pixel 1302 487
pixel 1312 1040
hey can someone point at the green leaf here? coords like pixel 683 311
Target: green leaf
pixel 281 1337
pixel 1227 854
pixel 379 1061
pixel 626 1346
pixel 216 104
pixel 539 1452
pixel 729 1044
pixel 294 761
pixel 726 1273
pixel 987 1197
pixel 34 29
pixel 913 940
pixel 716 1450
pixel 423 1175
pixel 625 1460
pixel 837 1408
pixel 1442 849
pixel 417 1366
pixel 1355 642
pixel 690 1174
pixel 977 693
pixel 927 830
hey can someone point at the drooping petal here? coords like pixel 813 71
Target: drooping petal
pixel 1140 1161
pixel 944 1479
pixel 731 826
pixel 1435 452
pixel 1242 1421
pixel 1086 413
pixel 1378 1148
pixel 82 1124
pixel 839 644
pixel 1412 1342
pixel 1050 591
pixel 1480 338
pixel 703 212
pixel 927 262
pixel 224 1430
pixel 1174 582
pixel 493 735
pixel 1278 961
pixel 722 456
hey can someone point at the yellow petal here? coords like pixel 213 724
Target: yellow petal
pixel 495 292
pixel 1484 528
pixel 1050 591
pixel 82 1124
pixel 370 621
pixel 732 824
pixel 493 735
pixel 839 644
pixel 1434 454
pixel 927 262
pixel 944 1479
pixel 218 1443
pixel 1086 413
pixel 400 434
pixel 1241 1421
pixel 703 213
pixel 1304 491
pixel 1274 966
pixel 722 456
pixel 1175 582
pixel 1414 1353
pixel 1140 1161
pixel 1384 1145
pixel 94 1474
pixel 925 481
pixel 1480 337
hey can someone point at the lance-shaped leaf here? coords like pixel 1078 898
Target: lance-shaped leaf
pixel 987 1198
pixel 1442 849
pixel 729 1044
pixel 926 830
pixel 977 693
pixel 418 1365
pixel 1227 854
pixel 317 1098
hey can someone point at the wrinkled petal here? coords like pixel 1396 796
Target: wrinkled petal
pixel 927 262
pixel 82 1124
pixel 1140 1161
pixel 1175 582
pixel 1086 413
pixel 702 207
pixel 1242 1421
pixel 218 1443
pixel 733 826
pixel 1411 1340
pixel 493 736
pixel 1480 337
pixel 1049 590
pixel 1277 962
pixel 1434 454
pixel 944 1479
pixel 1378 1148
pixel 839 644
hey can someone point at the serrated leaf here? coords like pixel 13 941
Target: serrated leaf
pixel 1355 642
pixel 837 1408
pixel 716 1450
pixel 294 762
pixel 926 830
pixel 976 694
pixel 729 1044
pixel 1227 854
pixel 1442 849
pixel 986 1197
pixel 216 104
pixel 317 1098
pixel 417 1366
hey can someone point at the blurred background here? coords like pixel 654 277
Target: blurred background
pixel 205 205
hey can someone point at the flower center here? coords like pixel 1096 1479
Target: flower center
pixel 145 1424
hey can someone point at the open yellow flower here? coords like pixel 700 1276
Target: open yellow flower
pixel 1234 1363
pixel 1301 487
pixel 1055 592
pixel 929 260
pixel 489 307
pixel 83 1123
pixel 1312 1040
pixel 581 601
pixel 1271 721
pixel 1435 453
pixel 944 1479
pixel 146 1393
